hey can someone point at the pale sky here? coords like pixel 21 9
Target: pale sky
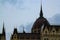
pixel 22 12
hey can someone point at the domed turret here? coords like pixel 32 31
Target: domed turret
pixel 39 22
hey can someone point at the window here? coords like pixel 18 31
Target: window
pixel 39 31
pixel 45 38
pixel 14 36
pixel 34 31
pixel 53 31
pixel 46 32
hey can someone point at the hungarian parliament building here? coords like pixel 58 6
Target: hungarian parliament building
pixel 41 30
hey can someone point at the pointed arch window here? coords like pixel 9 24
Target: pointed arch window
pixel 53 31
pixel 46 39
pixel 45 32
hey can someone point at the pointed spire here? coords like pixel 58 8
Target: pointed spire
pixel 41 12
pixel 3 32
pixel 23 30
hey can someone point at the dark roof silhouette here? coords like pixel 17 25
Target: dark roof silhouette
pixel 15 31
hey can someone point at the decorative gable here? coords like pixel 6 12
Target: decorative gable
pixel 45 30
pixel 53 30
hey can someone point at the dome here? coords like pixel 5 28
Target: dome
pixel 39 22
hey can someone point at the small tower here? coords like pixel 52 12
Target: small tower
pixel 15 31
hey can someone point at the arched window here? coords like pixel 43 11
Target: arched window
pixel 46 39
pixel 45 32
pixel 53 31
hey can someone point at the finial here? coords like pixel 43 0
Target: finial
pixel 41 13
pixel 41 3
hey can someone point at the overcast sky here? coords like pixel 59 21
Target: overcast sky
pixel 22 12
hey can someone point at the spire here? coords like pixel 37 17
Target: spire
pixel 41 12
pixel 23 30
pixel 3 32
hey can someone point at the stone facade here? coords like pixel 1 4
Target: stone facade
pixel 51 33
